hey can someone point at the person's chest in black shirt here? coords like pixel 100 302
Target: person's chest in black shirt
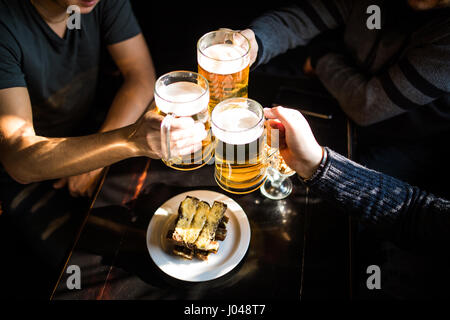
pixel 61 73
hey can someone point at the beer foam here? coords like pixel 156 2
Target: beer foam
pixel 223 59
pixel 182 98
pixel 236 126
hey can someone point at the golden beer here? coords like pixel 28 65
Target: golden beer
pixel 184 94
pixel 240 158
pixel 224 60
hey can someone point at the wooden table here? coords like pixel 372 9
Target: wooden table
pixel 300 247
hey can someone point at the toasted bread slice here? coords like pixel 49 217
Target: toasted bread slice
pixel 198 227
pixel 183 252
pixel 197 224
pixel 205 240
pixel 186 213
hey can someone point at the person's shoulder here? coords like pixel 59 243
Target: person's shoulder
pixel 10 8
pixel 7 9
pixel 10 14
pixel 12 24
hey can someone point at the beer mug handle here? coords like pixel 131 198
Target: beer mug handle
pixel 165 136
pixel 272 142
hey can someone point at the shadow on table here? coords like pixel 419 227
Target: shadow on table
pixel 116 264
pixel 113 248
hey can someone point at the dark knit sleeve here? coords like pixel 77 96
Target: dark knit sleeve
pixel 418 79
pixel 286 28
pixel 405 212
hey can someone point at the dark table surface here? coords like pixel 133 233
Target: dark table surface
pixel 299 248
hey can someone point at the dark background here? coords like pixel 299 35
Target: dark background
pixel 172 29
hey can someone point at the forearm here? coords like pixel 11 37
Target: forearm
pixel 363 98
pixel 404 212
pixel 35 158
pixel 287 28
pixel 278 33
pixel 130 102
pixel 370 194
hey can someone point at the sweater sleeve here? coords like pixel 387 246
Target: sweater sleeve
pixel 289 27
pixel 405 212
pixel 419 78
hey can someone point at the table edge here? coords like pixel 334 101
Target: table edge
pixel 80 230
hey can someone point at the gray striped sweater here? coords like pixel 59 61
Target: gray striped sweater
pixel 406 214
pixel 400 72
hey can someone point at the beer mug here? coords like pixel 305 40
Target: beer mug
pixel 223 58
pixel 184 94
pixel 241 153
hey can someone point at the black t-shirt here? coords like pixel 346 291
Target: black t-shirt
pixel 61 74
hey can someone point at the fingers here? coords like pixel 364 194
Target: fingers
pixel 77 185
pixel 194 133
pixel 185 148
pixel 60 183
pixel 269 113
pixel 237 40
pixel 279 113
pixel 84 184
pixel 186 141
pixel 250 35
pixel 293 127
pixel 185 128
pixel 192 148
pixel 288 117
pixel 240 41
pixel 186 137
pixel 74 190
pixel 182 123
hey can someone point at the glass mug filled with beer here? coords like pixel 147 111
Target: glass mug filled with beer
pixel 224 60
pixel 184 94
pixel 241 153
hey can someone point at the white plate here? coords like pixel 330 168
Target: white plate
pixel 231 250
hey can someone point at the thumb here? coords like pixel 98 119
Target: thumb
pixel 60 183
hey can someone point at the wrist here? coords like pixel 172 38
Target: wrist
pixel 307 168
pixel 256 48
pixel 131 140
